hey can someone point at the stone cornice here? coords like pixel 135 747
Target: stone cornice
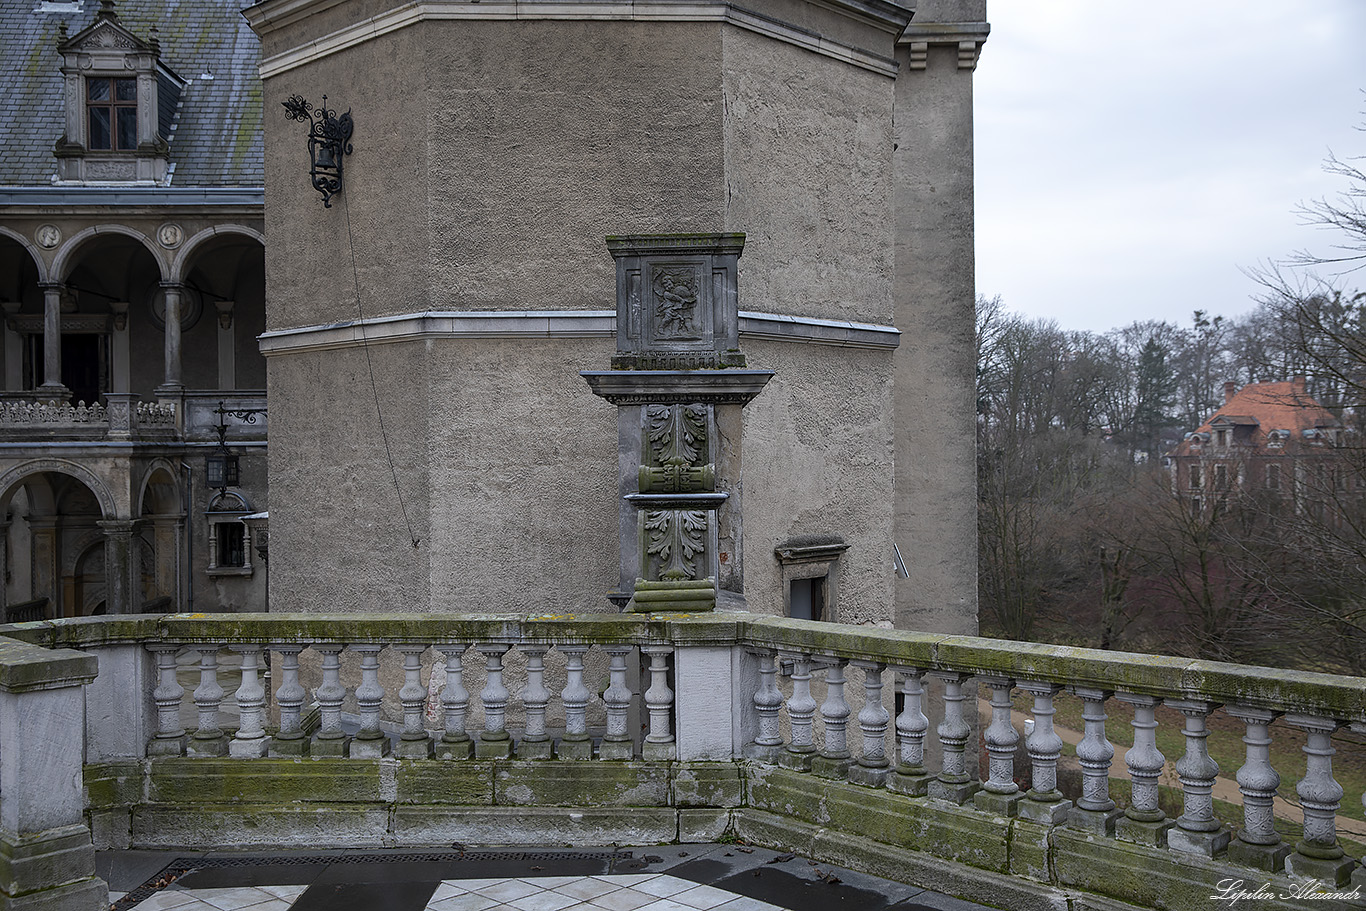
pixel 554 324
pixel 267 16
pixel 967 36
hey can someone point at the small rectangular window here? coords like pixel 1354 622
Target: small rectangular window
pixel 112 111
pixel 231 544
pixel 1221 477
pixel 1195 477
pixel 808 598
pixel 1273 477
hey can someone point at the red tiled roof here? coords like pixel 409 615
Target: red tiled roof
pixel 1268 407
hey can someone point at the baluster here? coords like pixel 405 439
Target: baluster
pixel 369 742
pixel 170 735
pixel 1196 830
pixel 872 766
pixel 801 708
pixel 953 784
pixel 330 739
pixel 290 740
pixel 834 759
pixel 1318 856
pixel 1143 822
pixel 535 742
pixel 1257 843
pixel 494 741
pixel 209 739
pixel 910 777
pixel 414 742
pixel 455 700
pixel 768 700
pixel 1044 802
pixel 1000 794
pixel 617 744
pixel 576 743
pixel 1095 811
pixel 659 700
pixel 251 741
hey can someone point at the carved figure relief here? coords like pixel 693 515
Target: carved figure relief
pixel 674 292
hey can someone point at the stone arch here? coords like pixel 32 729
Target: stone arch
pixel 65 257
pixel 191 246
pixel 103 496
pixel 33 251
pixel 146 488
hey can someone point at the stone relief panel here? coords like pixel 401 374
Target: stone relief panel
pixel 674 291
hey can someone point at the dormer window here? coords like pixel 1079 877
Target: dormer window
pixel 112 108
pixel 120 102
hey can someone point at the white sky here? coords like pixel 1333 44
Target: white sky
pixel 1132 157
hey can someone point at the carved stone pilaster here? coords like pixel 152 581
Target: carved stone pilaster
pixel 678 378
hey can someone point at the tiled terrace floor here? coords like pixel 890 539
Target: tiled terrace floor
pixel 673 878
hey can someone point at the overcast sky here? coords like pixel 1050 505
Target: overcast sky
pixel 1132 157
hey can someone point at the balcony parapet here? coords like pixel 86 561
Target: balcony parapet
pixel 122 418
pixel 596 728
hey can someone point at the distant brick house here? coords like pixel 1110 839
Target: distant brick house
pixel 1271 438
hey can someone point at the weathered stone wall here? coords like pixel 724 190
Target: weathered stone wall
pixel 808 150
pixel 340 541
pixel 818 461
pixel 523 477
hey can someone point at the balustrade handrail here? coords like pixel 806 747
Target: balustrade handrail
pixel 1329 695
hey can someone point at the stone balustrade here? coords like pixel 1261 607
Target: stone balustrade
pixel 121 418
pixel 594 729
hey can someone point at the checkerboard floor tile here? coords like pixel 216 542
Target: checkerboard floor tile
pixel 629 892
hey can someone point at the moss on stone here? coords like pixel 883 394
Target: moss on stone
pixel 113 784
pixel 439 782
pixel 707 784
pixel 582 784
pixel 176 781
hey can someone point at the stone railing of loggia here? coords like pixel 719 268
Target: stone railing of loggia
pixel 675 727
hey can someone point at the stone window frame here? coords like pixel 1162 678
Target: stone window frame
pixel 812 557
pixel 228 509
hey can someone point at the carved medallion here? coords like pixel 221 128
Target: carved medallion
pixel 170 235
pixel 48 236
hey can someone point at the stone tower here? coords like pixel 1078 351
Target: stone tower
pixel 428 422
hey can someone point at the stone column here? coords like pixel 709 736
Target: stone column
pixel 49 858
pixel 172 384
pixel 119 566
pixel 52 387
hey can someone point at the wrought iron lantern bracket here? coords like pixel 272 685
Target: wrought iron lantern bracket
pixel 329 142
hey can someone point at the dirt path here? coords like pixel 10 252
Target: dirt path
pixel 1225 789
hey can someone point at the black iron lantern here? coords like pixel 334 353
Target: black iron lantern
pixel 329 141
pixel 223 469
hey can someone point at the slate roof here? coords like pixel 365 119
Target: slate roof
pixel 215 138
